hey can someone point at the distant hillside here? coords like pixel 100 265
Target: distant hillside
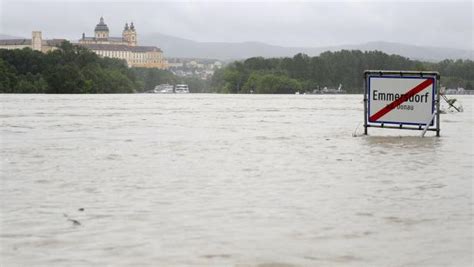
pixel 184 48
pixel 5 36
pixel 179 47
pixel 428 53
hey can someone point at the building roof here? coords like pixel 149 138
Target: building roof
pixel 15 42
pixel 110 39
pixel 51 42
pixel 101 26
pixel 116 39
pixel 118 47
pixel 55 42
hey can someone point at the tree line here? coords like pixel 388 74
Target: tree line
pixel 73 69
pixel 67 70
pixel 302 73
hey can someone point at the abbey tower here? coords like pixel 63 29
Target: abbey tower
pixel 101 30
pixel 129 34
pixel 36 40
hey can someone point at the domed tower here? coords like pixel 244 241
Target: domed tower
pixel 101 30
pixel 126 33
pixel 132 41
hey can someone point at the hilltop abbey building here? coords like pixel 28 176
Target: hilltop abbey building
pixel 125 47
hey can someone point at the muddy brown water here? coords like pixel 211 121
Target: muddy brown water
pixel 229 180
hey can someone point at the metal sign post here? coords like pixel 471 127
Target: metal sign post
pixel 401 100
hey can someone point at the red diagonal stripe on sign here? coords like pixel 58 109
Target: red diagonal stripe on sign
pixel 402 99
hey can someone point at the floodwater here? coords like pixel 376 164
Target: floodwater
pixel 229 180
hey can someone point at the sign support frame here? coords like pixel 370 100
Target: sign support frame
pixel 393 73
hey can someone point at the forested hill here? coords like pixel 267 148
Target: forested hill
pixel 70 69
pixel 304 74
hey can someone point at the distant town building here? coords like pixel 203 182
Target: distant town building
pixel 36 43
pixel 194 67
pixel 175 64
pixel 125 47
pixel 217 65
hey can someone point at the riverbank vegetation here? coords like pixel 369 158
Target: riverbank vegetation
pixel 68 70
pixel 302 73
pixel 74 69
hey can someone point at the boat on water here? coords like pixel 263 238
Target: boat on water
pixel 326 90
pixel 164 89
pixel 333 91
pixel 181 89
pixel 170 89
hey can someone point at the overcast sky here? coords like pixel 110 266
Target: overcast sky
pixel 286 23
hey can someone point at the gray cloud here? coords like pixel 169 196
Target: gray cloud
pixel 306 24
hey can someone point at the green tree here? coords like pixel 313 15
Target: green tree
pixel 65 79
pixel 273 84
pixel 150 78
pixel 329 69
pixel 68 69
pixel 31 83
pixel 8 79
